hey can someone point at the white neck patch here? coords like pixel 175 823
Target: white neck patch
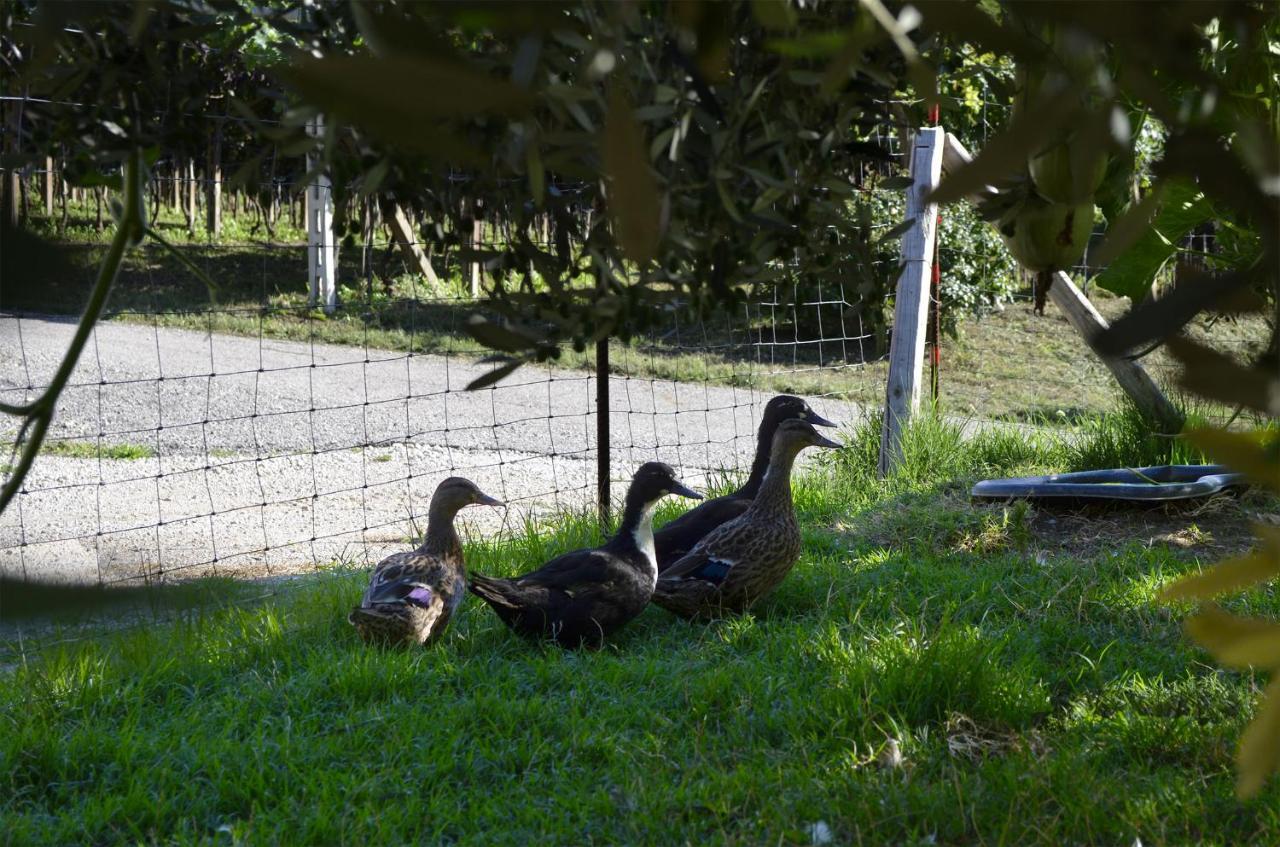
pixel 643 537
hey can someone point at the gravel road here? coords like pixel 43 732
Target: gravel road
pixel 266 456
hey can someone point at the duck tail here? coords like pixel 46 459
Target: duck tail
pixel 495 592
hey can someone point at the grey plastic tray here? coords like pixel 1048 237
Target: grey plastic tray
pixel 1155 484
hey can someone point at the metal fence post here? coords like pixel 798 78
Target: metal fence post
pixel 603 503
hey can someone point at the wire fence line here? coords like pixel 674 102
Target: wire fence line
pixel 256 436
pixel 206 439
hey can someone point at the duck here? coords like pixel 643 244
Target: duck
pixel 412 595
pixel 580 598
pixel 677 537
pixel 745 559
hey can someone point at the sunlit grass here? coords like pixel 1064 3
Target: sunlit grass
pixel 1032 695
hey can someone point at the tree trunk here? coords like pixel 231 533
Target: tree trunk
pixel 97 202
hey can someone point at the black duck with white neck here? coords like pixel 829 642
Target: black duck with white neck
pixel 580 598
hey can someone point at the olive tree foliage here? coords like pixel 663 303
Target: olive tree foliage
pixel 1209 73
pixel 684 153
pixel 716 147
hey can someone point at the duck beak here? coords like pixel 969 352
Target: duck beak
pixel 486 500
pixel 685 491
pixel 816 419
pixel 820 441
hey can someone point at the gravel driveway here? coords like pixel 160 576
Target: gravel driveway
pixel 268 456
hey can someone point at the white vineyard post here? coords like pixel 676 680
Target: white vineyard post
pixel 911 304
pixel 321 254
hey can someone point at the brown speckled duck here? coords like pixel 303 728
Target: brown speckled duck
pixel 677 537
pixel 412 595
pixel 748 557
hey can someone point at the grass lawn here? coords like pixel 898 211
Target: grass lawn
pixel 932 672
pixel 1010 364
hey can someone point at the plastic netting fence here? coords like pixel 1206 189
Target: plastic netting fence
pixel 259 436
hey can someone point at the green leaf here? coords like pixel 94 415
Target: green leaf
pixel 495 375
pixel 1232 574
pixel 634 202
pixel 1258 753
pixel 370 93
pixel 1182 208
pixel 1125 231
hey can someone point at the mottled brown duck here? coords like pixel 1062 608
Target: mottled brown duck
pixel 746 558
pixel 677 537
pixel 412 595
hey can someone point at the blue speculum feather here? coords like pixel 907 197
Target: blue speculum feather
pixel 419 596
pixel 713 571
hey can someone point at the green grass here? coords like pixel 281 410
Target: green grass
pixel 77 449
pixel 1034 690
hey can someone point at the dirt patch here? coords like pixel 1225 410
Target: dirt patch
pixel 950 522
pixel 1215 527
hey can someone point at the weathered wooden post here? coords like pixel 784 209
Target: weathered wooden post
pixel 48 187
pixel 911 306
pixel 213 204
pixel 320 246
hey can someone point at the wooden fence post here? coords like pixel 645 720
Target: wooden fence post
pixel 321 253
pixel 48 187
pixel 911 306
pixel 213 205
pixel 407 241
pixel 1088 322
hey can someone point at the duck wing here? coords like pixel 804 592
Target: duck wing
pixel 677 537
pixel 573 573
pixel 411 577
pixel 553 585
pixel 718 553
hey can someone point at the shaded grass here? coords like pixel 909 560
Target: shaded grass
pixel 1033 699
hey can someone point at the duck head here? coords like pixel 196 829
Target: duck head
pixel 457 492
pixel 794 435
pixel 655 480
pixel 786 407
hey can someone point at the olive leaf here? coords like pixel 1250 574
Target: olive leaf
pixel 370 92
pixel 1151 241
pixel 633 199
pixel 1258 566
pixel 496 375
pixel 1258 754
pixel 1236 641
pixel 1250 453
pixel 497 337
pixel 1215 375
